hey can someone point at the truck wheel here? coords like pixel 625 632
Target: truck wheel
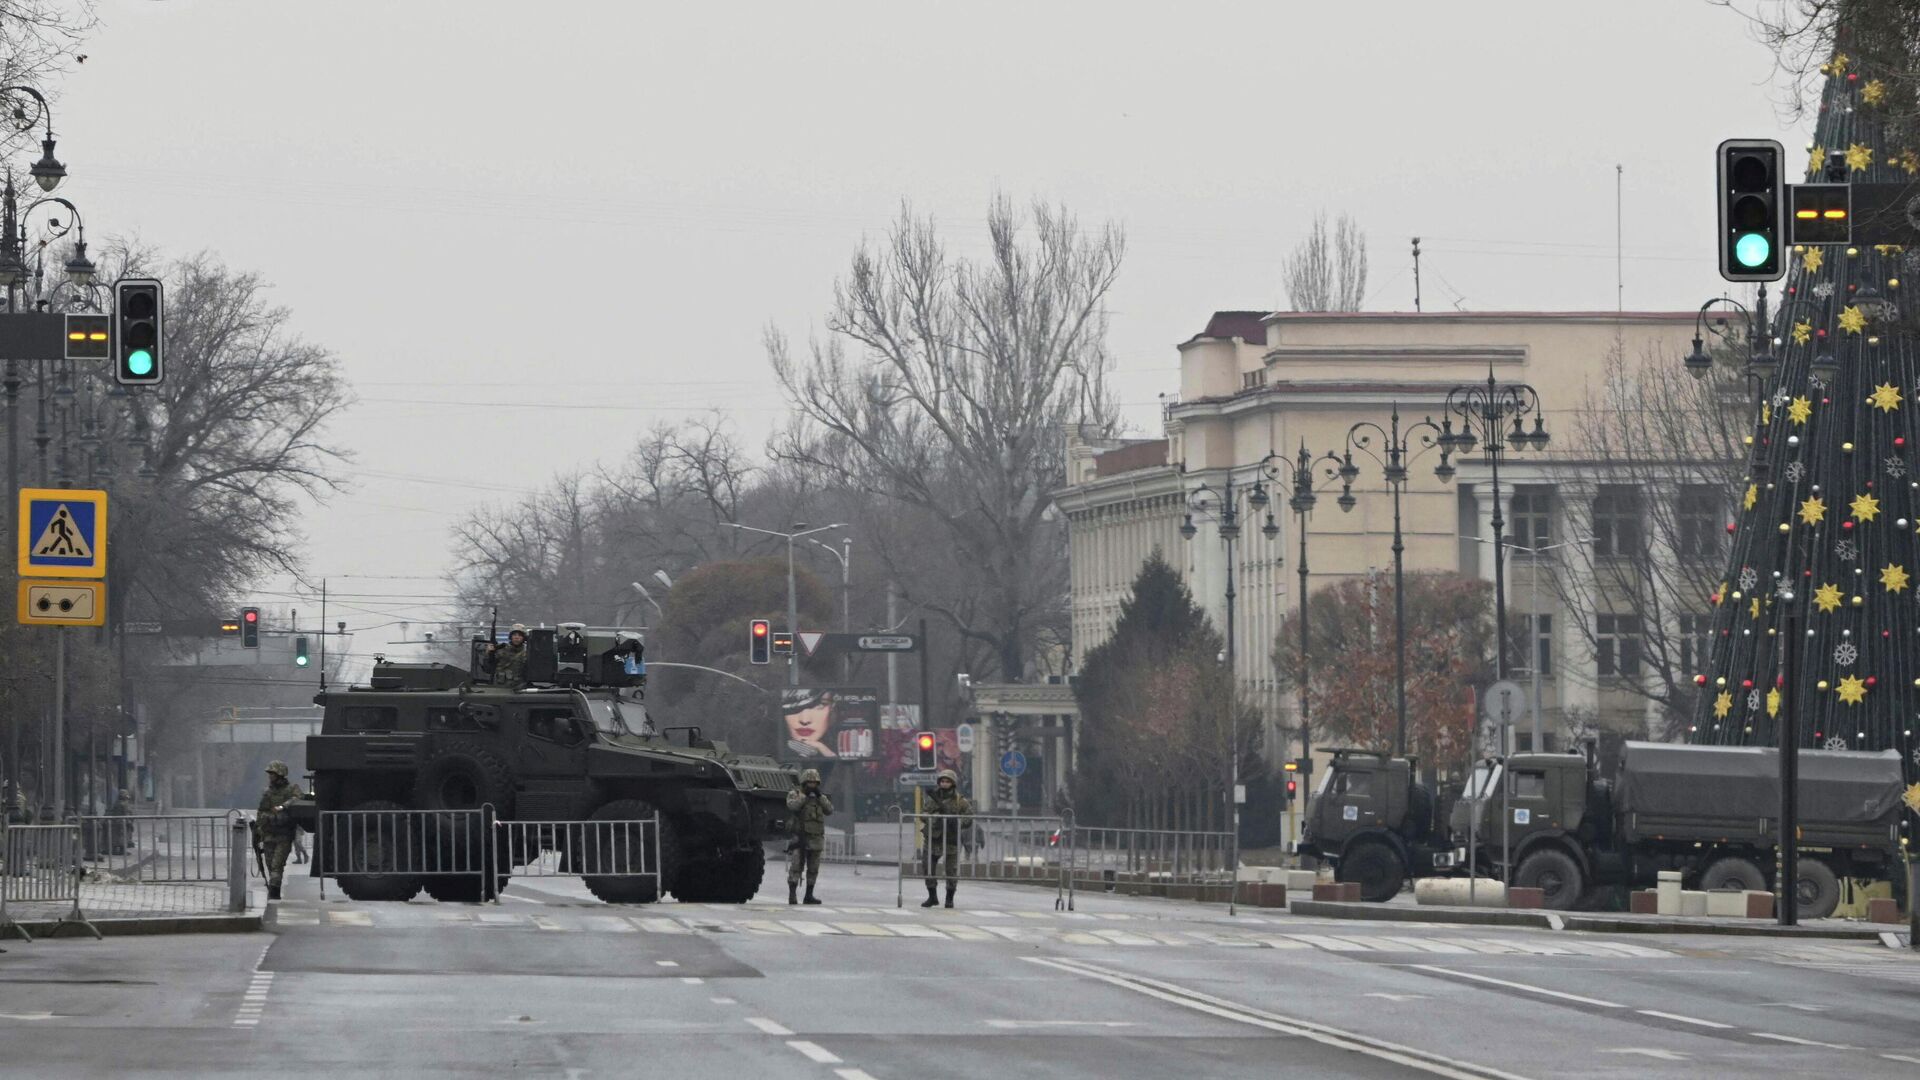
pixel 374 844
pixel 1556 875
pixel 1378 870
pixel 1733 872
pixel 1818 888
pixel 737 878
pixel 696 883
pixel 624 855
pixel 463 775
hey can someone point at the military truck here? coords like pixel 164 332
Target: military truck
pixel 1710 812
pixel 573 744
pixel 1377 824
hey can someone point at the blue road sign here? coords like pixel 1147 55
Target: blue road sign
pixel 63 533
pixel 1013 763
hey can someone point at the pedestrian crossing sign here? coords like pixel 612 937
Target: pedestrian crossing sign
pixel 63 533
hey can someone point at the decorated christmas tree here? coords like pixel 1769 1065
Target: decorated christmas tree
pixel 1828 514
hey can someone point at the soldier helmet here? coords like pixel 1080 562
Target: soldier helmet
pixel 277 768
pixel 811 776
pixel 518 628
pixel 947 774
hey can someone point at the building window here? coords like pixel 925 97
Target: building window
pixel 1543 640
pixel 1253 380
pixel 1616 642
pixel 1696 643
pixel 1616 521
pixel 1698 520
pixel 1532 525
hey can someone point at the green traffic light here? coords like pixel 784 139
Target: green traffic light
pixel 140 363
pixel 300 660
pixel 1752 250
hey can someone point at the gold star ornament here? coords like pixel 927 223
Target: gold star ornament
pixel 1894 577
pixel 1859 156
pixel 1827 597
pixel 1851 690
pixel 1837 66
pixel 1865 508
pixel 1753 496
pixel 1722 705
pixel 1912 798
pixel 1773 702
pixel 1813 510
pixel 1816 160
pixel 1800 410
pixel 1753 608
pixel 1852 319
pixel 1874 93
pixel 1802 331
pixel 1909 161
pixel 1885 397
pixel 1812 260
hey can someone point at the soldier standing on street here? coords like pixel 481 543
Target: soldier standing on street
pixel 276 827
pixel 809 807
pixel 946 814
pixel 508 662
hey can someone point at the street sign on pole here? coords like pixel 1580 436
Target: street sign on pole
pixel 884 642
pixel 1013 764
pixel 1507 704
pixel 62 603
pixel 963 738
pixel 810 640
pixel 142 628
pixel 63 533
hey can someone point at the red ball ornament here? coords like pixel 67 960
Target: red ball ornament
pixel 1899 441
pixel 1699 680
pixel 1886 633
pixel 1846 525
pixel 1779 680
pixel 1730 526
pixel 1715 598
pixel 1853 76
pixel 1869 483
pixel 1746 684
pixel 1806 573
pixel 1826 401
pixel 1871 680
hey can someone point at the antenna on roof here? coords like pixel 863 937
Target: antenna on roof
pixel 1416 273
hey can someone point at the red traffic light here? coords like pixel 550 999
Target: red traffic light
pixel 1293 787
pixel 757 641
pixel 251 616
pixel 926 756
pixel 759 628
pixel 926 740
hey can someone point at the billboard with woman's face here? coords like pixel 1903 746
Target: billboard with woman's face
pixel 830 722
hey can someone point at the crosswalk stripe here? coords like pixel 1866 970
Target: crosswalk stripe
pixel 1424 945
pixel 1123 937
pixel 915 930
pixel 659 926
pixel 1330 944
pixel 811 929
pixel 860 929
pixel 761 926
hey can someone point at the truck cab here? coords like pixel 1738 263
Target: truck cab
pixel 1375 823
pixel 1531 820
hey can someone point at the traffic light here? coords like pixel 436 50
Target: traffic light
pixel 137 353
pixel 88 335
pixel 250 628
pixel 783 643
pixel 757 642
pixel 1820 213
pixel 1752 210
pixel 300 657
pixel 229 627
pixel 926 751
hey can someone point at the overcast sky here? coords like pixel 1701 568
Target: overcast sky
pixel 531 229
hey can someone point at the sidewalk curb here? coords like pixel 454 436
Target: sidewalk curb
pixel 1328 909
pixel 139 927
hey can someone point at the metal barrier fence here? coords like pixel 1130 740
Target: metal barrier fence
pixel 394 846
pixel 984 847
pixel 1151 862
pixel 41 877
pixel 164 864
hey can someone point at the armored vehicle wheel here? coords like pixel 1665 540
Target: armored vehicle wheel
pixel 1733 872
pixel 624 885
pixel 1377 869
pixel 464 889
pixel 374 844
pixel 1818 888
pixel 697 883
pixel 733 879
pixel 463 775
pixel 1556 875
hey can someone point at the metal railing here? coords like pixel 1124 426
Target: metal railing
pixel 1151 862
pixel 40 872
pixel 984 847
pixel 582 849
pixel 163 864
pixel 474 843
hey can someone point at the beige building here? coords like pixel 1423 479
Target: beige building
pixel 1254 384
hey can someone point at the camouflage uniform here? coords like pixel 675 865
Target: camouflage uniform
pixel 277 829
pixel 809 807
pixel 946 812
pixel 509 663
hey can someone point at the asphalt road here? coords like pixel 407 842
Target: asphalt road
pixel 549 983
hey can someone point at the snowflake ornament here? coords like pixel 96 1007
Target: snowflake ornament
pixel 1796 471
pixel 1753 699
pixel 1748 578
pixel 1896 467
pixel 1916 755
pixel 1836 742
pixel 1823 289
pixel 1781 398
pixel 1846 550
pixel 1846 653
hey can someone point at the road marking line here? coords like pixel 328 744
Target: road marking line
pixel 659 926
pixel 611 924
pixel 1423 1060
pixel 1122 937
pixel 349 918
pixel 760 926
pixel 1423 945
pixel 861 929
pixel 667 963
pixel 545 923
pixel 1683 1019
pixel 1059 1023
pixel 1892 941
pixel 968 933
pixel 768 1026
pixel 1596 1002
pixel 1555 921
pixel 811 929
pixel 693 980
pixel 1798 1041
pixel 915 930
pixel 1075 937
pixel 723 1001
pixel 1901 1057
pixel 1330 944
pixel 1662 1055
pixel 245 1023
pixel 1491 946
pixel 1272 941
pixel 852 1074
pixel 815 1052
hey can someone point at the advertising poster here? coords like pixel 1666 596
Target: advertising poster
pixel 833 723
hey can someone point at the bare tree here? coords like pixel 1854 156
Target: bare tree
pixel 945 387
pixel 1328 272
pixel 1878 39
pixel 38 39
pixel 1651 461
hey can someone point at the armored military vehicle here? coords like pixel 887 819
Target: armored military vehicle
pixel 1377 824
pixel 574 743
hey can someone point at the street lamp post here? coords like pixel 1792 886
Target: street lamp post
pixel 800 530
pixel 1484 410
pixel 1393 468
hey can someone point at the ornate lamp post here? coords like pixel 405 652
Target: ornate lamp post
pixel 1490 416
pixel 1395 445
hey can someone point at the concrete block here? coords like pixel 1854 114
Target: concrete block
pixel 1453 892
pixel 1883 910
pixel 1693 902
pixel 1522 897
pixel 1727 904
pixel 1301 881
pixel 1329 890
pixel 1759 904
pixel 1257 874
pixel 1350 891
pixel 1669 892
pixel 1643 902
pixel 1264 894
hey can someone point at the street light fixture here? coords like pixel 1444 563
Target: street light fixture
pixel 1488 406
pixel 793 604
